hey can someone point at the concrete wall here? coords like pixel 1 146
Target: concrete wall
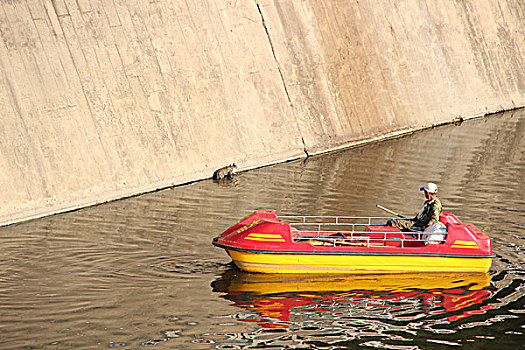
pixel 354 69
pixel 101 99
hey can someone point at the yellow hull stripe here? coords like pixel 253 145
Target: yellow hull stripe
pixel 464 244
pixel 311 263
pixel 265 237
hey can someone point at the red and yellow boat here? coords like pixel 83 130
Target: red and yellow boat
pixel 265 242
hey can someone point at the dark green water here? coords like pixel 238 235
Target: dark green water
pixel 142 272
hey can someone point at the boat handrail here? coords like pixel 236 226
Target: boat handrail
pixel 336 219
pixel 333 217
pixel 322 228
pixel 340 221
pixel 353 237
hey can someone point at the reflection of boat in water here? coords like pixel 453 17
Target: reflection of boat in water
pixel 265 242
pixel 274 297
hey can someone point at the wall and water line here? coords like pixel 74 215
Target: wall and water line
pixel 104 99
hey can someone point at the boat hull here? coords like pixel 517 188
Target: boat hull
pixel 263 242
pixel 345 263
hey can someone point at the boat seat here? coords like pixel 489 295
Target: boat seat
pixel 447 218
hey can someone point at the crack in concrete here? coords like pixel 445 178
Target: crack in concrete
pixel 263 21
pixel 273 53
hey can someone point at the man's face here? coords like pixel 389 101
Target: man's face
pixel 427 195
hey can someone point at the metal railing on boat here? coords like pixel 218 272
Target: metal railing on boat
pixel 303 220
pixel 320 230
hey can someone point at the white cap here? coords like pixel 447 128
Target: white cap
pixel 430 188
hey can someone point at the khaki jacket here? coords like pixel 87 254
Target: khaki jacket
pixel 429 214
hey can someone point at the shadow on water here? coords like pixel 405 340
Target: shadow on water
pixel 346 310
pixel 395 297
pixel 142 271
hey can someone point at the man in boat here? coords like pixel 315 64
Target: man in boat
pixel 427 216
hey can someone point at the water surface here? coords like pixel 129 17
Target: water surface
pixel 142 272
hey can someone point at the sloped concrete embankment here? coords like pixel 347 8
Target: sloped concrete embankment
pixel 104 99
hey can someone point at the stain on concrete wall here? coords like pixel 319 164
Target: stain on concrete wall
pixel 103 99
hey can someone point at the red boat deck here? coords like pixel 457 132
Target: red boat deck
pixel 265 242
